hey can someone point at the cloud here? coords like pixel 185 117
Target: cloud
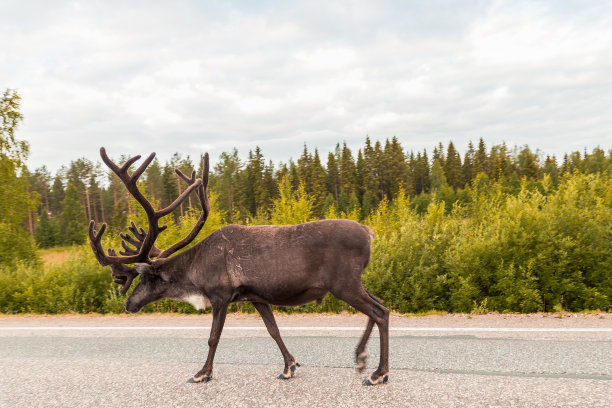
pixel 191 76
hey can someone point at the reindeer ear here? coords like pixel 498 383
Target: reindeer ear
pixel 142 267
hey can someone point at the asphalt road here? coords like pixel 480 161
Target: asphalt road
pixel 434 368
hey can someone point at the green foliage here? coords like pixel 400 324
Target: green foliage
pixel 501 252
pixel 16 245
pixel 544 249
pixel 47 232
pixel 73 223
pixel 16 201
pixel 77 285
pixel 290 207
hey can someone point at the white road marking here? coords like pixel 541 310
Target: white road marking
pixel 319 328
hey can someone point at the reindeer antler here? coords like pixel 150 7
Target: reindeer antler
pixel 144 242
pixel 138 234
pixel 136 239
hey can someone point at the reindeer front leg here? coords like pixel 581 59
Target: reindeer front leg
pixel 219 313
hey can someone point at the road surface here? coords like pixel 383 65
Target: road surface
pixel 145 360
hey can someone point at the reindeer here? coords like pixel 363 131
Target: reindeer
pixel 266 265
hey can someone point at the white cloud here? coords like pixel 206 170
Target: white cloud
pixel 189 77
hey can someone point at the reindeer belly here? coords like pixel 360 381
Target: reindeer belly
pixel 284 298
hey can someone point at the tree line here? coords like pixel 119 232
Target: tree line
pixel 246 189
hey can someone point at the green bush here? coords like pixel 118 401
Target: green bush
pixel 538 250
pixel 541 249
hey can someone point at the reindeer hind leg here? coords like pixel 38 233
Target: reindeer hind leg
pixel 372 307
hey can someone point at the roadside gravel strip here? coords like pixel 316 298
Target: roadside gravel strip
pixel 437 360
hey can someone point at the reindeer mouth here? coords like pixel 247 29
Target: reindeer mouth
pixel 131 307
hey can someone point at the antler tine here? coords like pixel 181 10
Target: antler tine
pixel 122 172
pixel 188 180
pixel 136 240
pixel 138 233
pixel 136 174
pixel 119 171
pixel 95 240
pixel 179 200
pixel 205 172
pixel 123 275
pixel 126 249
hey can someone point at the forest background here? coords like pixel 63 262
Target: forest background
pixel 492 229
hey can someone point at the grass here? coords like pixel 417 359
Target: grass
pixel 55 255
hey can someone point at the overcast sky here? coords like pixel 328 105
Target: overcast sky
pixel 195 76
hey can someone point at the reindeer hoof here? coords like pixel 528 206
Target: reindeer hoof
pixel 361 362
pixel 199 379
pixel 379 380
pixel 290 372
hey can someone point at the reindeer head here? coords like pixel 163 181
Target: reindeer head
pixel 147 259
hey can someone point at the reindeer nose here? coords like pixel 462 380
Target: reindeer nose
pixel 130 307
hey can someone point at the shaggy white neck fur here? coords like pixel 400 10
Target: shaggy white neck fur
pixel 200 302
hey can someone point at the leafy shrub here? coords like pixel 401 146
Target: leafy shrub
pixel 541 249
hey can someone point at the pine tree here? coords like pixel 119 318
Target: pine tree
pixel 421 173
pixel 438 155
pixel 224 181
pixel 254 196
pixel 40 182
pixel 551 168
pixel 304 165
pixel 317 184
pixel 170 183
pixel 481 161
pixel 332 180
pixel 347 170
pixel 396 169
pixel 378 171
pixel 293 175
pixel 438 179
pixel 370 187
pixel 565 167
pixel 154 180
pixel 73 225
pixel 528 164
pixel 95 196
pixel 468 164
pixel 56 196
pixel 78 174
pixel 47 232
pixel 501 166
pixel 368 203
pixel 267 188
pixel 452 167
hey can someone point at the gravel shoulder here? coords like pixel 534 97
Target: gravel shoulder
pixel 315 325
pixel 539 320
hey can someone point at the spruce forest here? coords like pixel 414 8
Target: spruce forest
pixel 491 228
